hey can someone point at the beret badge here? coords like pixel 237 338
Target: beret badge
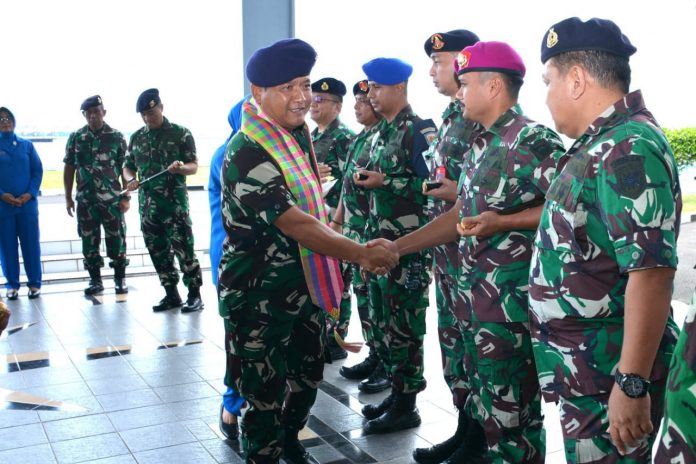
pixel 324 86
pixel 463 59
pixel 99 100
pixel 363 86
pixel 436 40
pixel 551 38
pixel 152 104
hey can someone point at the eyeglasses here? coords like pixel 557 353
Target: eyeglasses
pixel 5 119
pixel 319 99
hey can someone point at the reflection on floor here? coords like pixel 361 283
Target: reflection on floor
pixel 105 380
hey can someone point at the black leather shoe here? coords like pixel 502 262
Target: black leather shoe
pixel 192 304
pixel 336 351
pixel 401 415
pixel 376 382
pixel 295 453
pixel 120 286
pixel 361 370
pixel 373 411
pixel 95 287
pixel 438 453
pixel 230 431
pixel 34 293
pixel 473 449
pixel 167 303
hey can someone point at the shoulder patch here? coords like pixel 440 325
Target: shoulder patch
pixel 630 176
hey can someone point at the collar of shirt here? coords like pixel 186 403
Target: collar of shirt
pixel 630 104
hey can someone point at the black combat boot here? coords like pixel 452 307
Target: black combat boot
pixel 361 370
pixel 336 351
pixel 438 453
pixel 473 449
pixel 373 411
pixel 95 282
pixel 170 301
pixel 120 285
pixel 377 381
pixel 401 415
pixel 294 452
pixel 193 301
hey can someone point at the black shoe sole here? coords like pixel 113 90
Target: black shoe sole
pixel 372 388
pixel 166 308
pixel 346 373
pixel 374 429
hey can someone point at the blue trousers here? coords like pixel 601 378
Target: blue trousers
pixel 233 401
pixel 22 227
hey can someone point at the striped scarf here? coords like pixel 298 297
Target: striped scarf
pixel 322 273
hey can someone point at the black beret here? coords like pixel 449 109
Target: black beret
pixel 452 41
pixel 91 102
pixel 9 114
pixel 361 87
pixel 148 99
pixel 281 62
pixel 329 85
pixel 573 34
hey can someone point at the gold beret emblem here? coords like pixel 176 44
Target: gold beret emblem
pixel 151 104
pixel 436 40
pixel 363 86
pixel 463 59
pixel 551 38
pixel 324 86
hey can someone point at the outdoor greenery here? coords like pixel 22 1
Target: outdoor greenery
pixel 683 142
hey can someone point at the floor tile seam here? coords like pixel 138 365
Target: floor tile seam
pixel 135 453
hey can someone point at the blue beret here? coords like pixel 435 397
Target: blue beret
pixel 91 102
pixel 148 99
pixel 573 34
pixel 281 62
pixel 361 87
pixel 329 85
pixel 452 41
pixel 387 71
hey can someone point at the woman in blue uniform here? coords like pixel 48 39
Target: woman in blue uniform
pixel 20 178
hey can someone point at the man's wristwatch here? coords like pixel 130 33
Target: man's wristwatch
pixel 633 385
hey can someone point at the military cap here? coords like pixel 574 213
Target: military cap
pixel 330 85
pixel 91 102
pixel 490 56
pixel 361 87
pixel 387 71
pixel 573 34
pixel 281 62
pixel 148 99
pixel 452 41
pixel 9 114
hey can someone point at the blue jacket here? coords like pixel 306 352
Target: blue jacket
pixel 21 172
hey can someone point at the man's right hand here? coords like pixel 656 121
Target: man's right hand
pixel 133 185
pixel 380 256
pixel 9 198
pixel 324 171
pixel 70 206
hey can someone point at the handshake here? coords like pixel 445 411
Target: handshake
pixel 379 256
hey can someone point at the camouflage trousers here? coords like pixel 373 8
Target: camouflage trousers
pixel 398 317
pixel 678 442
pixel 169 235
pixel 505 396
pixel 345 309
pixel 91 217
pixel 450 333
pixel 360 289
pixel 275 359
pixel 584 423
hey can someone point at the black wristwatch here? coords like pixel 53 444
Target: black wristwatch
pixel 633 385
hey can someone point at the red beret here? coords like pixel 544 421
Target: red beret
pixel 490 56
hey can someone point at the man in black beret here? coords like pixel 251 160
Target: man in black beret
pixel 277 274
pixel 444 158
pixel 330 139
pixel 96 152
pixel 605 251
pixel 167 149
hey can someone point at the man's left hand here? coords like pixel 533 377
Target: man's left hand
pixel 374 180
pixel 629 420
pixel 23 198
pixel 482 226
pixel 124 204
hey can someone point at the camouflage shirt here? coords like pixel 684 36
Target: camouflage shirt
pixel 331 148
pixel 356 200
pixel 453 140
pixel 510 164
pixel 399 206
pixel 257 256
pixel 613 207
pixel 151 151
pixel 97 157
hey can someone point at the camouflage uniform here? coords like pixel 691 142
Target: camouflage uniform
pixel 356 209
pixel 453 141
pixel 510 164
pixel 602 219
pixel 274 334
pixel 98 161
pixel 678 442
pixel 164 209
pixel 399 299
pixel 331 148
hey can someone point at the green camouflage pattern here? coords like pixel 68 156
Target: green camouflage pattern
pixel 275 336
pixel 331 148
pixel 361 291
pixel 451 338
pixel 399 299
pixel 505 397
pixel 613 207
pixel 164 209
pixel 98 161
pixel 678 441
